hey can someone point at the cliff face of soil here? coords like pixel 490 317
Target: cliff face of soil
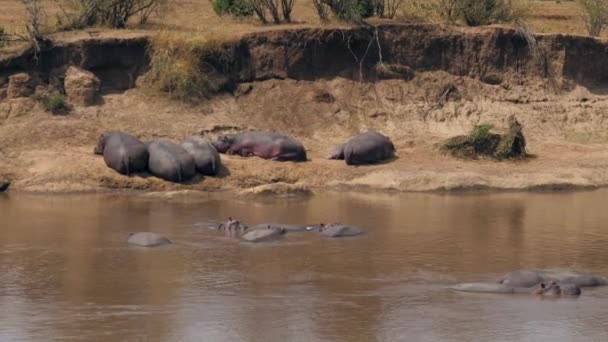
pixel 418 84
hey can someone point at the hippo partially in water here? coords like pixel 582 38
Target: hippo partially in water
pixel 340 230
pixel 123 152
pixel 263 234
pixel 367 148
pixel 291 228
pixel 147 239
pixel 206 158
pixel 170 161
pixel 263 144
pixel 559 283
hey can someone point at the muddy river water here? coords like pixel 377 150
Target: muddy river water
pixel 67 274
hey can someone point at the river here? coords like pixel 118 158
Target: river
pixel 67 274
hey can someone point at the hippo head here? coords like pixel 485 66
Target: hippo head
pixel 223 143
pixel 100 144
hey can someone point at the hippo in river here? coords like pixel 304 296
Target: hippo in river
pixel 290 228
pixel 206 158
pixel 366 148
pixel 560 283
pixel 170 161
pixel 147 239
pixel 340 230
pixel 123 152
pixel 263 144
pixel 263 234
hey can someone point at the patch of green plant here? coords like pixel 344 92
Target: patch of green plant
pixel 3 37
pixel 237 8
pixel 55 104
pixel 484 12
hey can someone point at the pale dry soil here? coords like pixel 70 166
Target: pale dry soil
pixel 565 131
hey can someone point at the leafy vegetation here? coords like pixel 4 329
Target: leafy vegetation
pixel 54 103
pixel 3 37
pixel 595 15
pixel 237 8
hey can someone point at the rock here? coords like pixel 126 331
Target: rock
pixel 243 89
pixel 81 86
pixel 492 79
pixel 3 94
pixel 324 97
pixel 147 239
pixel 263 234
pixel 20 85
pixel 394 72
pixel 4 184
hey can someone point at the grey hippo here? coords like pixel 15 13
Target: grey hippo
pixel 340 230
pixel 264 144
pixel 122 152
pixel 545 282
pixel 206 158
pixel 366 148
pixel 291 228
pixel 147 239
pixel 170 161
pixel 263 234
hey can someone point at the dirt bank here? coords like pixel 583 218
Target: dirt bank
pixel 419 84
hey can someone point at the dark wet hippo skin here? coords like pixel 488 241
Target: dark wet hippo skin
pixel 170 161
pixel 367 148
pixel 340 230
pixel 266 234
pixel 148 239
pixel 4 185
pixel 206 158
pixel 123 152
pixel 263 144
pixel 291 228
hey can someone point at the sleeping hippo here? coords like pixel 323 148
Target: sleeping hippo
pixel 263 144
pixel 170 161
pixel 263 234
pixel 340 230
pixel 123 152
pixel 147 239
pixel 366 148
pixel 206 158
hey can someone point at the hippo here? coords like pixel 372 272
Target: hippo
pixel 560 283
pixel 263 234
pixel 123 152
pixel 290 228
pixel 232 224
pixel 340 230
pixel 170 161
pixel 147 239
pixel 367 148
pixel 263 144
pixel 206 158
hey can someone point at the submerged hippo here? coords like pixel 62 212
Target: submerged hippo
pixel 559 283
pixel 263 144
pixel 340 230
pixel 206 158
pixel 123 152
pixel 290 228
pixel 366 148
pixel 263 234
pixel 147 239
pixel 170 161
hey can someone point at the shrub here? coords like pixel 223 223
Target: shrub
pixel 595 15
pixel 3 37
pixel 237 8
pixel 351 9
pixel 483 12
pixel 114 13
pixel 55 104
pixel 322 9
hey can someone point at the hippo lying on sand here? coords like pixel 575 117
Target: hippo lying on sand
pixel 147 239
pixel 560 283
pixel 265 234
pixel 340 230
pixel 170 161
pixel 123 152
pixel 206 158
pixel 366 148
pixel 263 144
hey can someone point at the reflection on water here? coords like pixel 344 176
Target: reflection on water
pixel 67 274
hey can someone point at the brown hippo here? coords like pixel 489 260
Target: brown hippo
pixel 170 161
pixel 123 152
pixel 263 144
pixel 366 148
pixel 206 158
pixel 147 239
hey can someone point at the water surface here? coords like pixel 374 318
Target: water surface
pixel 66 273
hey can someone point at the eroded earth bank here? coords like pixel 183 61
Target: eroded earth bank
pixel 418 84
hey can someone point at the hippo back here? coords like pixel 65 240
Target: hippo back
pixel 341 230
pixel 206 157
pixel 263 234
pixel 147 239
pixel 522 279
pixel 170 161
pixel 123 152
pixel 368 148
pixel 273 145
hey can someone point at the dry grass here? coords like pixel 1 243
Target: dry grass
pixel 197 16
